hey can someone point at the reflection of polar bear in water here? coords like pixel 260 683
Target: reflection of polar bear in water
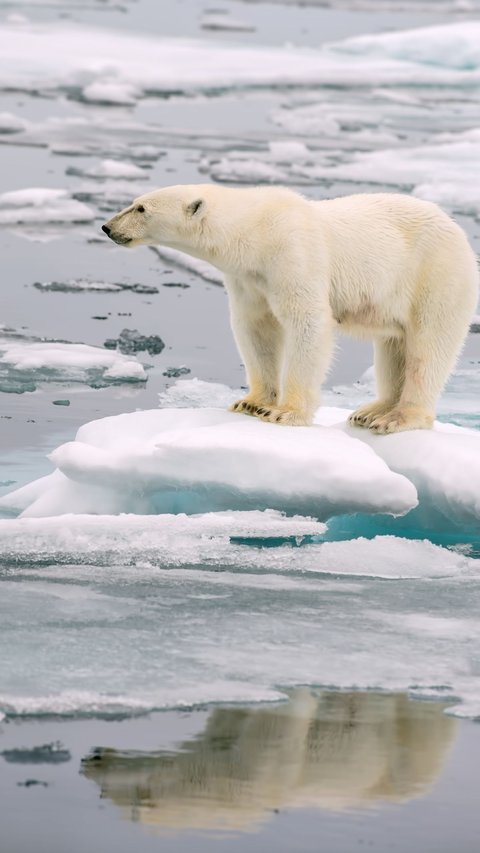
pixel 386 266
pixel 329 751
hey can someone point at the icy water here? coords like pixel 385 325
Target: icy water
pixel 114 616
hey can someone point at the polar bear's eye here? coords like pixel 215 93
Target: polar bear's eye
pixel 141 208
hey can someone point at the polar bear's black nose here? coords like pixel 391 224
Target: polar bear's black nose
pixel 106 229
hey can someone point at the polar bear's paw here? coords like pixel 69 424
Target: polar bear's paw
pixel 246 406
pixel 364 416
pixel 402 418
pixel 283 416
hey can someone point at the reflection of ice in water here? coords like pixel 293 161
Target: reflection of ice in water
pixel 322 750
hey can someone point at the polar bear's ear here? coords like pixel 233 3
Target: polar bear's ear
pixel 196 207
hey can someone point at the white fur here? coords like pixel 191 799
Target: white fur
pixel 385 266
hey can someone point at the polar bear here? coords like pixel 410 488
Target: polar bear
pixel 385 266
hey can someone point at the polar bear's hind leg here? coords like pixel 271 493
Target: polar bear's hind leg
pixel 390 377
pixel 434 337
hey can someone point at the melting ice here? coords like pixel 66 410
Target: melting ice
pixel 237 604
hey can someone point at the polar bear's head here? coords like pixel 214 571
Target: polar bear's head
pixel 169 216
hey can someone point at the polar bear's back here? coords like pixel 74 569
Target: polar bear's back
pixel 388 215
pixel 387 251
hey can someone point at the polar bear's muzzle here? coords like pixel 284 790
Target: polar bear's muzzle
pixel 119 226
pixel 115 236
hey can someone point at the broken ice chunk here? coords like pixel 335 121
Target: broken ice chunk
pixel 131 340
pixel 25 363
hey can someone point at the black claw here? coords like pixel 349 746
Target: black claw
pixel 267 413
pixel 260 411
pixel 278 418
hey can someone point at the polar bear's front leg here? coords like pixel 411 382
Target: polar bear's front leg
pixel 308 350
pixel 259 339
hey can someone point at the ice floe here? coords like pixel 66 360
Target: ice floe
pixel 42 206
pixel 193 460
pixel 82 285
pixel 440 171
pixel 222 21
pixel 120 68
pixel 25 363
pixel 455 46
pixel 11 124
pixel 186 262
pixel 111 169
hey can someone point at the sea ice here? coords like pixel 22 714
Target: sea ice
pixel 441 171
pixel 131 340
pixel 26 363
pixel 11 124
pixel 121 67
pixel 455 46
pixel 192 460
pixel 80 285
pixel 112 169
pixel 185 262
pixel 288 151
pixel 223 22
pixel 111 92
pixel 245 170
pixel 224 621
pixel 42 206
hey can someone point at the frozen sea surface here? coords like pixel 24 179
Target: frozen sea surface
pixel 198 619
pixel 121 613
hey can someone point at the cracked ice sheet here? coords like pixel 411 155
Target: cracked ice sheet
pixel 123 66
pixel 205 541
